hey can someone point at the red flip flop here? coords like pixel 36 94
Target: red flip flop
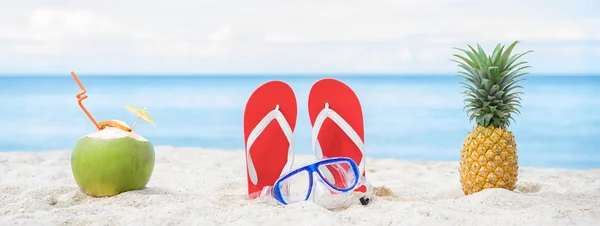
pixel 336 116
pixel 269 122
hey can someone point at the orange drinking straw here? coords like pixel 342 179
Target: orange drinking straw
pixel 80 97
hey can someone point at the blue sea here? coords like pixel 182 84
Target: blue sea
pixel 418 117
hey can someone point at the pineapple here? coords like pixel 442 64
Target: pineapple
pixel 489 153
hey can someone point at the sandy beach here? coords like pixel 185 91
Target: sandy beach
pixel 207 187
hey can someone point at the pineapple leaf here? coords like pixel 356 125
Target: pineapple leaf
pixel 469 99
pixel 521 68
pixel 480 62
pixel 516 110
pixel 468 87
pixel 499 94
pixel 511 78
pixel 508 76
pixel 462 65
pixel 487 85
pixel 516 57
pixel 508 62
pixel 470 108
pixel 494 89
pixel 507 80
pixel 470 80
pixel 480 121
pixel 473 79
pixel 506 55
pixel 512 102
pixel 497 53
pixel 474 59
pixel 516 65
pixel 482 92
pixel 470 63
pixel 469 54
pixel 494 74
pixel 487 118
pixel 486 104
pixel 483 73
pixel 513 105
pixel 508 89
pixel 496 121
pixel 514 95
pixel 469 94
pixel 469 77
pixel 471 117
pixel 467 68
pixel 482 56
pixel 511 118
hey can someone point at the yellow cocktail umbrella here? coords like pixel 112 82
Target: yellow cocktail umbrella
pixel 140 113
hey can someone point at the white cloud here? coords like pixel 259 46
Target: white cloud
pixel 57 24
pixel 289 36
pixel 223 34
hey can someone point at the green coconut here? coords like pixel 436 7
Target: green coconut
pixel 111 161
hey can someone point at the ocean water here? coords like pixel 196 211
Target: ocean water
pixel 417 118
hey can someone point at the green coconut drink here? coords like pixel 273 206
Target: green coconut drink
pixel 112 160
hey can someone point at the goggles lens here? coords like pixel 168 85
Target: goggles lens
pixel 338 175
pixel 296 187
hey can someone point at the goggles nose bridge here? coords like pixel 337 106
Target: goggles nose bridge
pixel 319 188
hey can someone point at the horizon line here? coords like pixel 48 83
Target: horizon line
pixel 295 74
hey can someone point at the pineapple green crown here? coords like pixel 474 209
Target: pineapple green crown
pixel 490 84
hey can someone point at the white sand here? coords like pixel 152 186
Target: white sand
pixel 202 187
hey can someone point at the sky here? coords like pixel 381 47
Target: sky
pixel 275 36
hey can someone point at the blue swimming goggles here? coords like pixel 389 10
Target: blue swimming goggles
pixel 328 182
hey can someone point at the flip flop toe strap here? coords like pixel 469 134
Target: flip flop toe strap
pixel 348 130
pixel 257 131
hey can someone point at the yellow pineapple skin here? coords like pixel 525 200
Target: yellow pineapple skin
pixel 488 160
